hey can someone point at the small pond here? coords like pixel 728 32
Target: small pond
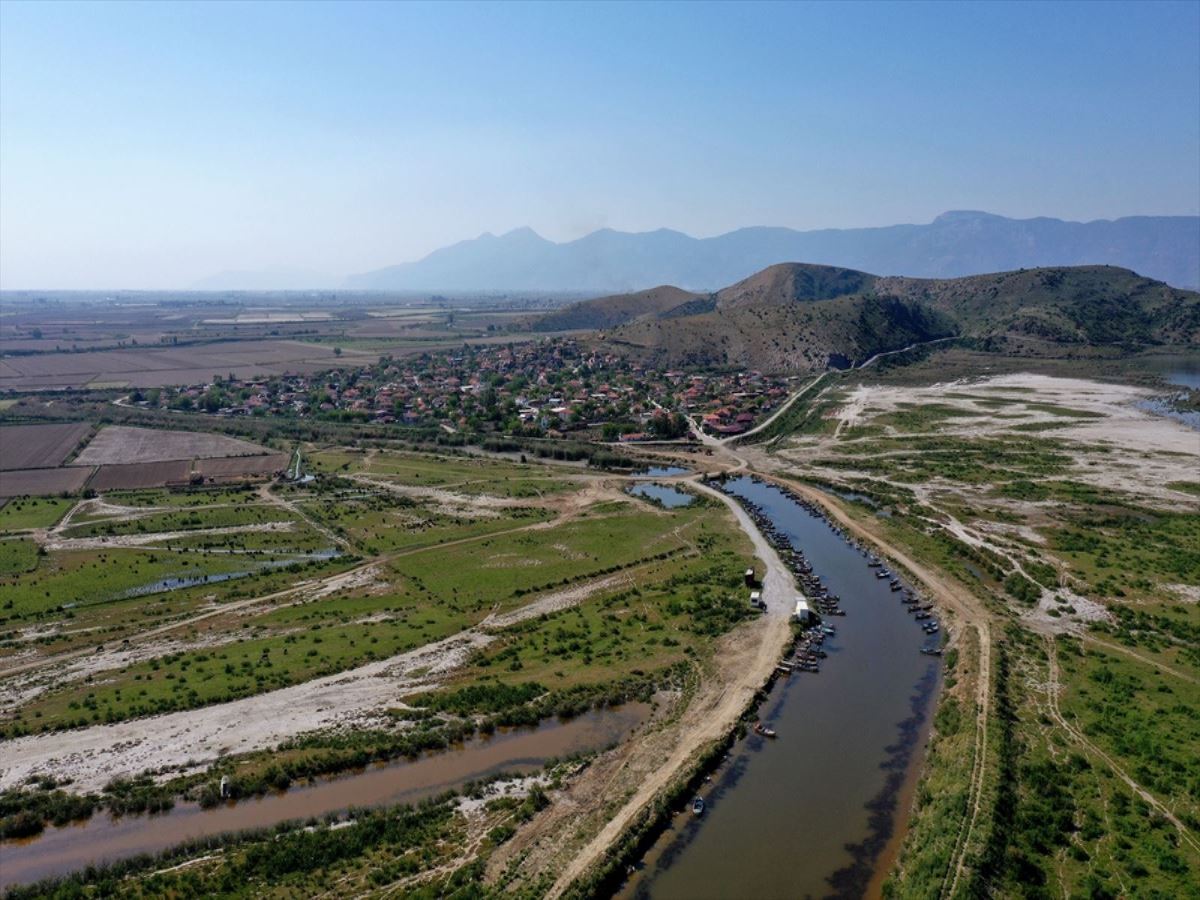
pixel 663 494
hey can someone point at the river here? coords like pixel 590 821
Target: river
pixel 103 838
pixel 820 810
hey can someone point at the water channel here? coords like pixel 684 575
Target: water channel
pixel 818 811
pixel 103 838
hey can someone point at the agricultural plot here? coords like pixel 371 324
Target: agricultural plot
pixel 43 482
pixel 123 445
pixel 39 446
pixel 162 366
pixel 141 475
pixel 234 467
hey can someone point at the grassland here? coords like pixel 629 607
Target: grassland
pixel 32 512
pixel 427 596
pixel 461 475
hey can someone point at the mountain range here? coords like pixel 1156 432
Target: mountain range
pixel 796 317
pixel 955 244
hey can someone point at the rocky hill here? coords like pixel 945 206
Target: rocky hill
pixel 795 317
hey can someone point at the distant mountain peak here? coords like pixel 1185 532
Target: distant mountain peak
pixel 956 243
pixel 522 233
pixel 968 215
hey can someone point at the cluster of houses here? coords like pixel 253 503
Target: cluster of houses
pixel 545 388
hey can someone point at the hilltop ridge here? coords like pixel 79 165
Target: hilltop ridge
pixel 796 317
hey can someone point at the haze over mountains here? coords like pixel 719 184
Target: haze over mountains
pixel 795 317
pixel 955 244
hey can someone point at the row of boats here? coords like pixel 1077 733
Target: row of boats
pixel 921 612
pixel 825 602
pixel 807 651
pixel 814 590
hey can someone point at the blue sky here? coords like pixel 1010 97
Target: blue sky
pixel 153 144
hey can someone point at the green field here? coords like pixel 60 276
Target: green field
pixel 422 592
pixel 17 555
pixel 380 522
pixel 34 512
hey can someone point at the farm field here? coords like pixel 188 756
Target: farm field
pixel 39 446
pixel 238 466
pixel 43 482
pixel 141 475
pixel 123 445
pixel 121 457
pixel 157 366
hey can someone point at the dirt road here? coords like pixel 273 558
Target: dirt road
pixel 1053 688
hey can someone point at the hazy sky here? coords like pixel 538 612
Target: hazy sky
pixel 151 144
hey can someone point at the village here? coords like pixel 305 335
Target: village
pixel 540 389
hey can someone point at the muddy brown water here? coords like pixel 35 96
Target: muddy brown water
pixel 819 811
pixel 102 838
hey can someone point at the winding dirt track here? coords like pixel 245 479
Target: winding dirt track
pixel 1153 664
pixel 1052 689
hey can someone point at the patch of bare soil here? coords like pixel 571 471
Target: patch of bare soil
pixel 188 741
pixel 109 541
pixel 122 444
pixel 1062 611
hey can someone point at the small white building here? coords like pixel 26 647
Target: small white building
pixel 803 614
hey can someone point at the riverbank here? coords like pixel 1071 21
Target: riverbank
pixel 573 841
pixel 843 801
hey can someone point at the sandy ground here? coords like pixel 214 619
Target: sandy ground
pixel 108 542
pixel 186 741
pixel 1156 449
pixel 1042 619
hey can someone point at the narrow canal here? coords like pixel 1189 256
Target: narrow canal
pixel 102 838
pixel 818 811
